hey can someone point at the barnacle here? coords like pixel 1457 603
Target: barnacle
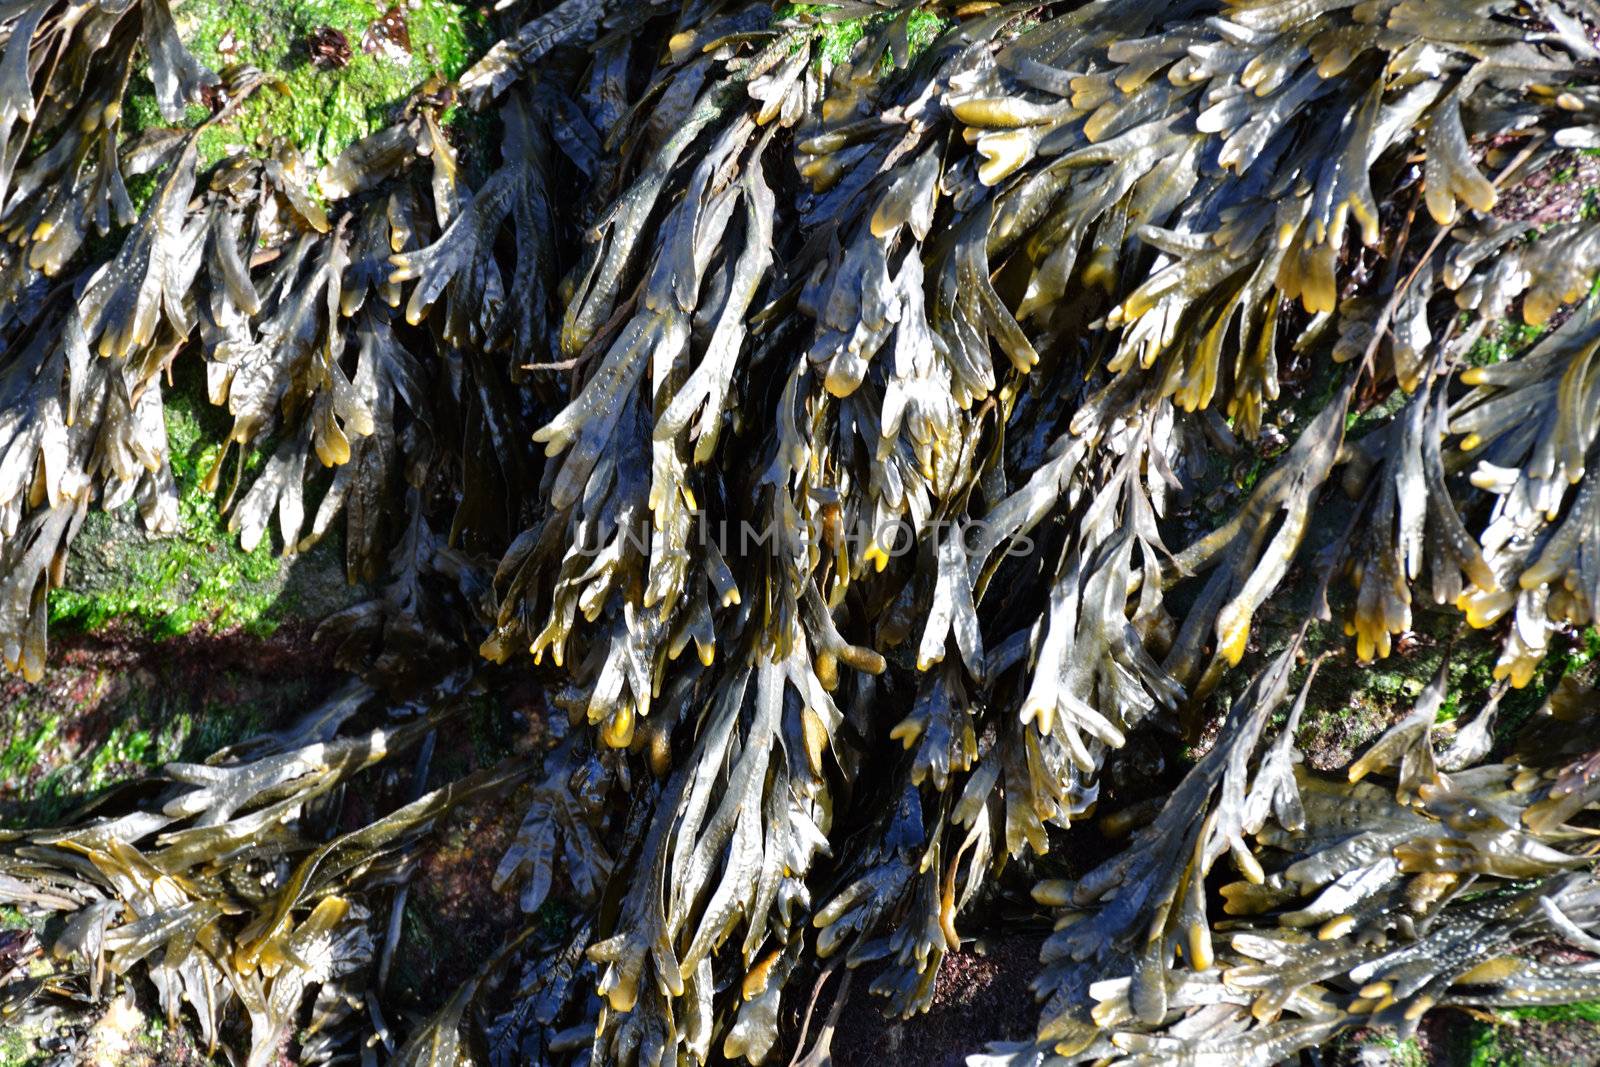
pixel 881 353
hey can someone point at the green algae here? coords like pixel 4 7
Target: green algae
pixel 18 1049
pixel 47 778
pixel 123 723
pixel 1407 1053
pixel 1354 702
pixel 25 748
pixel 1585 1011
pixel 837 40
pixel 1540 1036
pixel 320 111
pixel 1359 423
pixel 1502 342
pixel 197 578
pixel 170 585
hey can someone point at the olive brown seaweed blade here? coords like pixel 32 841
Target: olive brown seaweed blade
pixel 194 894
pixel 1362 904
pixel 1131 175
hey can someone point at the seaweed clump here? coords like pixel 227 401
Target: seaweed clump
pixel 882 354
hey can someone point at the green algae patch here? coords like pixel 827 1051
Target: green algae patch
pixel 1391 1051
pixel 38 779
pixel 320 109
pixel 1354 703
pixel 18 1048
pixel 838 40
pixel 170 584
pixel 1502 342
pixel 116 706
pixel 1544 1036
pixel 198 576
pixel 52 761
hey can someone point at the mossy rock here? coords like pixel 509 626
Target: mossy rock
pixel 1565 1035
pixel 116 705
pixel 319 109
pixel 839 37
pixel 198 576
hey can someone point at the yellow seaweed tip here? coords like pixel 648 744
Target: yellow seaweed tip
pixel 1201 954
pixel 1336 927
pixel 1233 633
pixel 906 731
pixel 755 983
pixel 618 730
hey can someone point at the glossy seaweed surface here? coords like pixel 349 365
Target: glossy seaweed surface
pixel 976 297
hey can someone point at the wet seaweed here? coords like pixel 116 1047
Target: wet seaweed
pixel 937 320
